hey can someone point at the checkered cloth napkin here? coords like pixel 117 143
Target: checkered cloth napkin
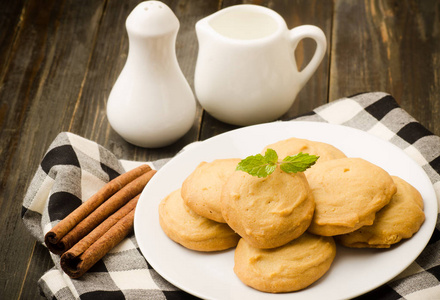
pixel 74 168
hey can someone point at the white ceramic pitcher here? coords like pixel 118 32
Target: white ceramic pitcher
pixel 151 104
pixel 246 72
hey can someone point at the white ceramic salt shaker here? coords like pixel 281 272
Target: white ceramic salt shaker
pixel 151 104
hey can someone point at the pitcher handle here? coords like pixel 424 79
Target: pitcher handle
pixel 309 31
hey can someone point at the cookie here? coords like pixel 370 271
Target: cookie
pixel 293 146
pixel 288 268
pixel 399 219
pixel 191 230
pixel 201 190
pixel 348 192
pixel 267 212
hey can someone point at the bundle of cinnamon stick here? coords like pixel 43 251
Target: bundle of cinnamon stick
pixel 98 224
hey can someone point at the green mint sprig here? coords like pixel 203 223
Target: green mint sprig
pixel 262 166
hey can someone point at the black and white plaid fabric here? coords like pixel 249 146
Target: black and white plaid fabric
pixel 74 168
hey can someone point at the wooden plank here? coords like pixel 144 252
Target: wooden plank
pixel 45 71
pixel 10 19
pixel 89 118
pixel 40 263
pixel 389 46
pixel 295 13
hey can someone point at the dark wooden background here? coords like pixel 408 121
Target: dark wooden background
pixel 60 58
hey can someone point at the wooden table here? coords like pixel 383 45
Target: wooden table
pixel 60 58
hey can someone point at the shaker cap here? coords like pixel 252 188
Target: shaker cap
pixel 152 18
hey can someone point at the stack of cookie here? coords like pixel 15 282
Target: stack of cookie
pixel 192 217
pixel 284 226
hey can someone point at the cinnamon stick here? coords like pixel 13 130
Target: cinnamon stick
pixel 107 208
pixel 83 255
pixel 54 236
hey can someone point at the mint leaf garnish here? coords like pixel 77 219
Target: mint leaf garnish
pixel 298 163
pixel 259 165
pixel 271 156
pixel 262 166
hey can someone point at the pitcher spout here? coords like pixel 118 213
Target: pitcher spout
pixel 243 23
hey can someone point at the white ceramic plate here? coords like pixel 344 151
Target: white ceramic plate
pixel 210 275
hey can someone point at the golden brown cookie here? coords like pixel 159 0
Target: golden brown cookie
pixel 293 146
pixel 267 212
pixel 192 231
pixel 398 220
pixel 288 268
pixel 348 192
pixel 201 190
